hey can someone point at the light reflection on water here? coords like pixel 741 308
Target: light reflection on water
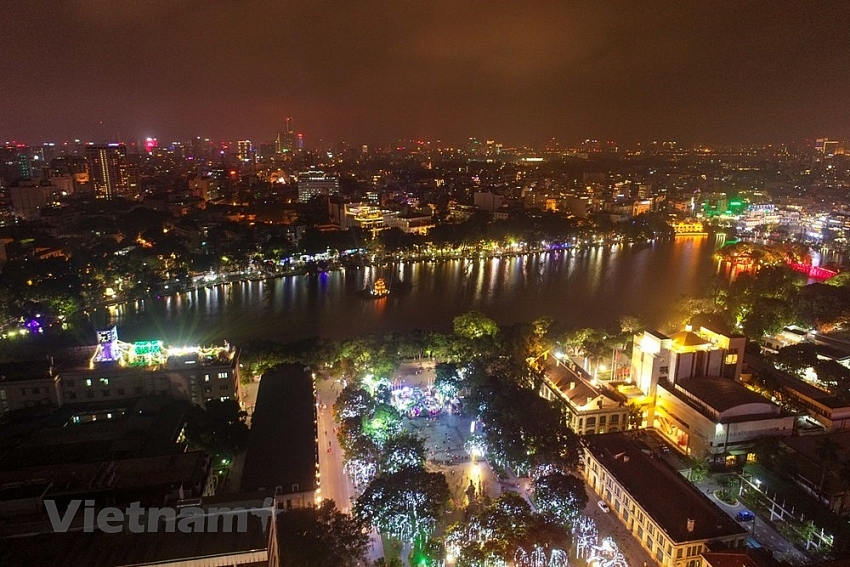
pixel 593 287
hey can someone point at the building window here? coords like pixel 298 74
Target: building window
pixel 23 391
pixel 106 393
pixel 88 381
pixel 615 419
pixel 70 383
pixel 206 377
pixel 72 396
pixel 36 391
pixel 732 358
pixel 120 391
pixel 222 375
pixel 601 421
pixel 104 381
pixel 90 394
pixel 663 369
pixel 591 422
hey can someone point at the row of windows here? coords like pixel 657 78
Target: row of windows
pixel 591 421
pixel 105 381
pixel 138 391
pixel 647 532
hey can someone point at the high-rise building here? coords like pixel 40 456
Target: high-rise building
pixel 285 141
pixel 245 150
pixel 109 170
pixel 313 183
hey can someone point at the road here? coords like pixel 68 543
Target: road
pixel 334 483
pixel 760 530
pixel 609 525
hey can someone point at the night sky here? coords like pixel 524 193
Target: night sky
pixel 361 71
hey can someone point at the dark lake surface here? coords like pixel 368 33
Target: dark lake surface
pixel 591 287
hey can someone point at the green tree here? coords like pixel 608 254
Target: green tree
pixel 402 451
pixel 767 451
pixel 384 423
pixel 405 505
pixel 353 401
pixel 796 358
pixel 635 416
pixel 766 316
pixel 522 429
pixel 474 325
pixel 563 496
pixel 699 469
pixel 321 537
pixel 448 379
pixel 503 531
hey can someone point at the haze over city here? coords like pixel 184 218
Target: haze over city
pixel 374 72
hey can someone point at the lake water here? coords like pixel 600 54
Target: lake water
pixel 587 288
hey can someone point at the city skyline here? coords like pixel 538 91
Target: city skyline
pixel 724 73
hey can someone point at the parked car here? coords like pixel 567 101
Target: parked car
pixel 603 506
pixel 745 516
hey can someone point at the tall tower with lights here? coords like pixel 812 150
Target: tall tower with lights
pixel 108 170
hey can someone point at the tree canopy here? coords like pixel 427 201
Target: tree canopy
pixel 321 537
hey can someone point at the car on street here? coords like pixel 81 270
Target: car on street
pixel 603 506
pixel 745 516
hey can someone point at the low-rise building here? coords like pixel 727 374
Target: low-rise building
pixel 669 516
pixel 233 531
pixel 29 384
pixel 832 412
pixel 695 396
pixel 283 450
pixel 118 370
pixel 717 418
pixel 588 409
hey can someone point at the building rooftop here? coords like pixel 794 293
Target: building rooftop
pixel 29 370
pixel 575 387
pixel 282 447
pixel 723 395
pixel 688 339
pixel 126 476
pixel 107 549
pixel 731 559
pixel 662 492
pixel 132 427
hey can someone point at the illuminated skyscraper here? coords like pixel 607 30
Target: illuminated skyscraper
pixel 245 150
pixel 108 170
pixel 285 142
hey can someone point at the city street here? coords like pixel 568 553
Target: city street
pixel 609 525
pixel 335 484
